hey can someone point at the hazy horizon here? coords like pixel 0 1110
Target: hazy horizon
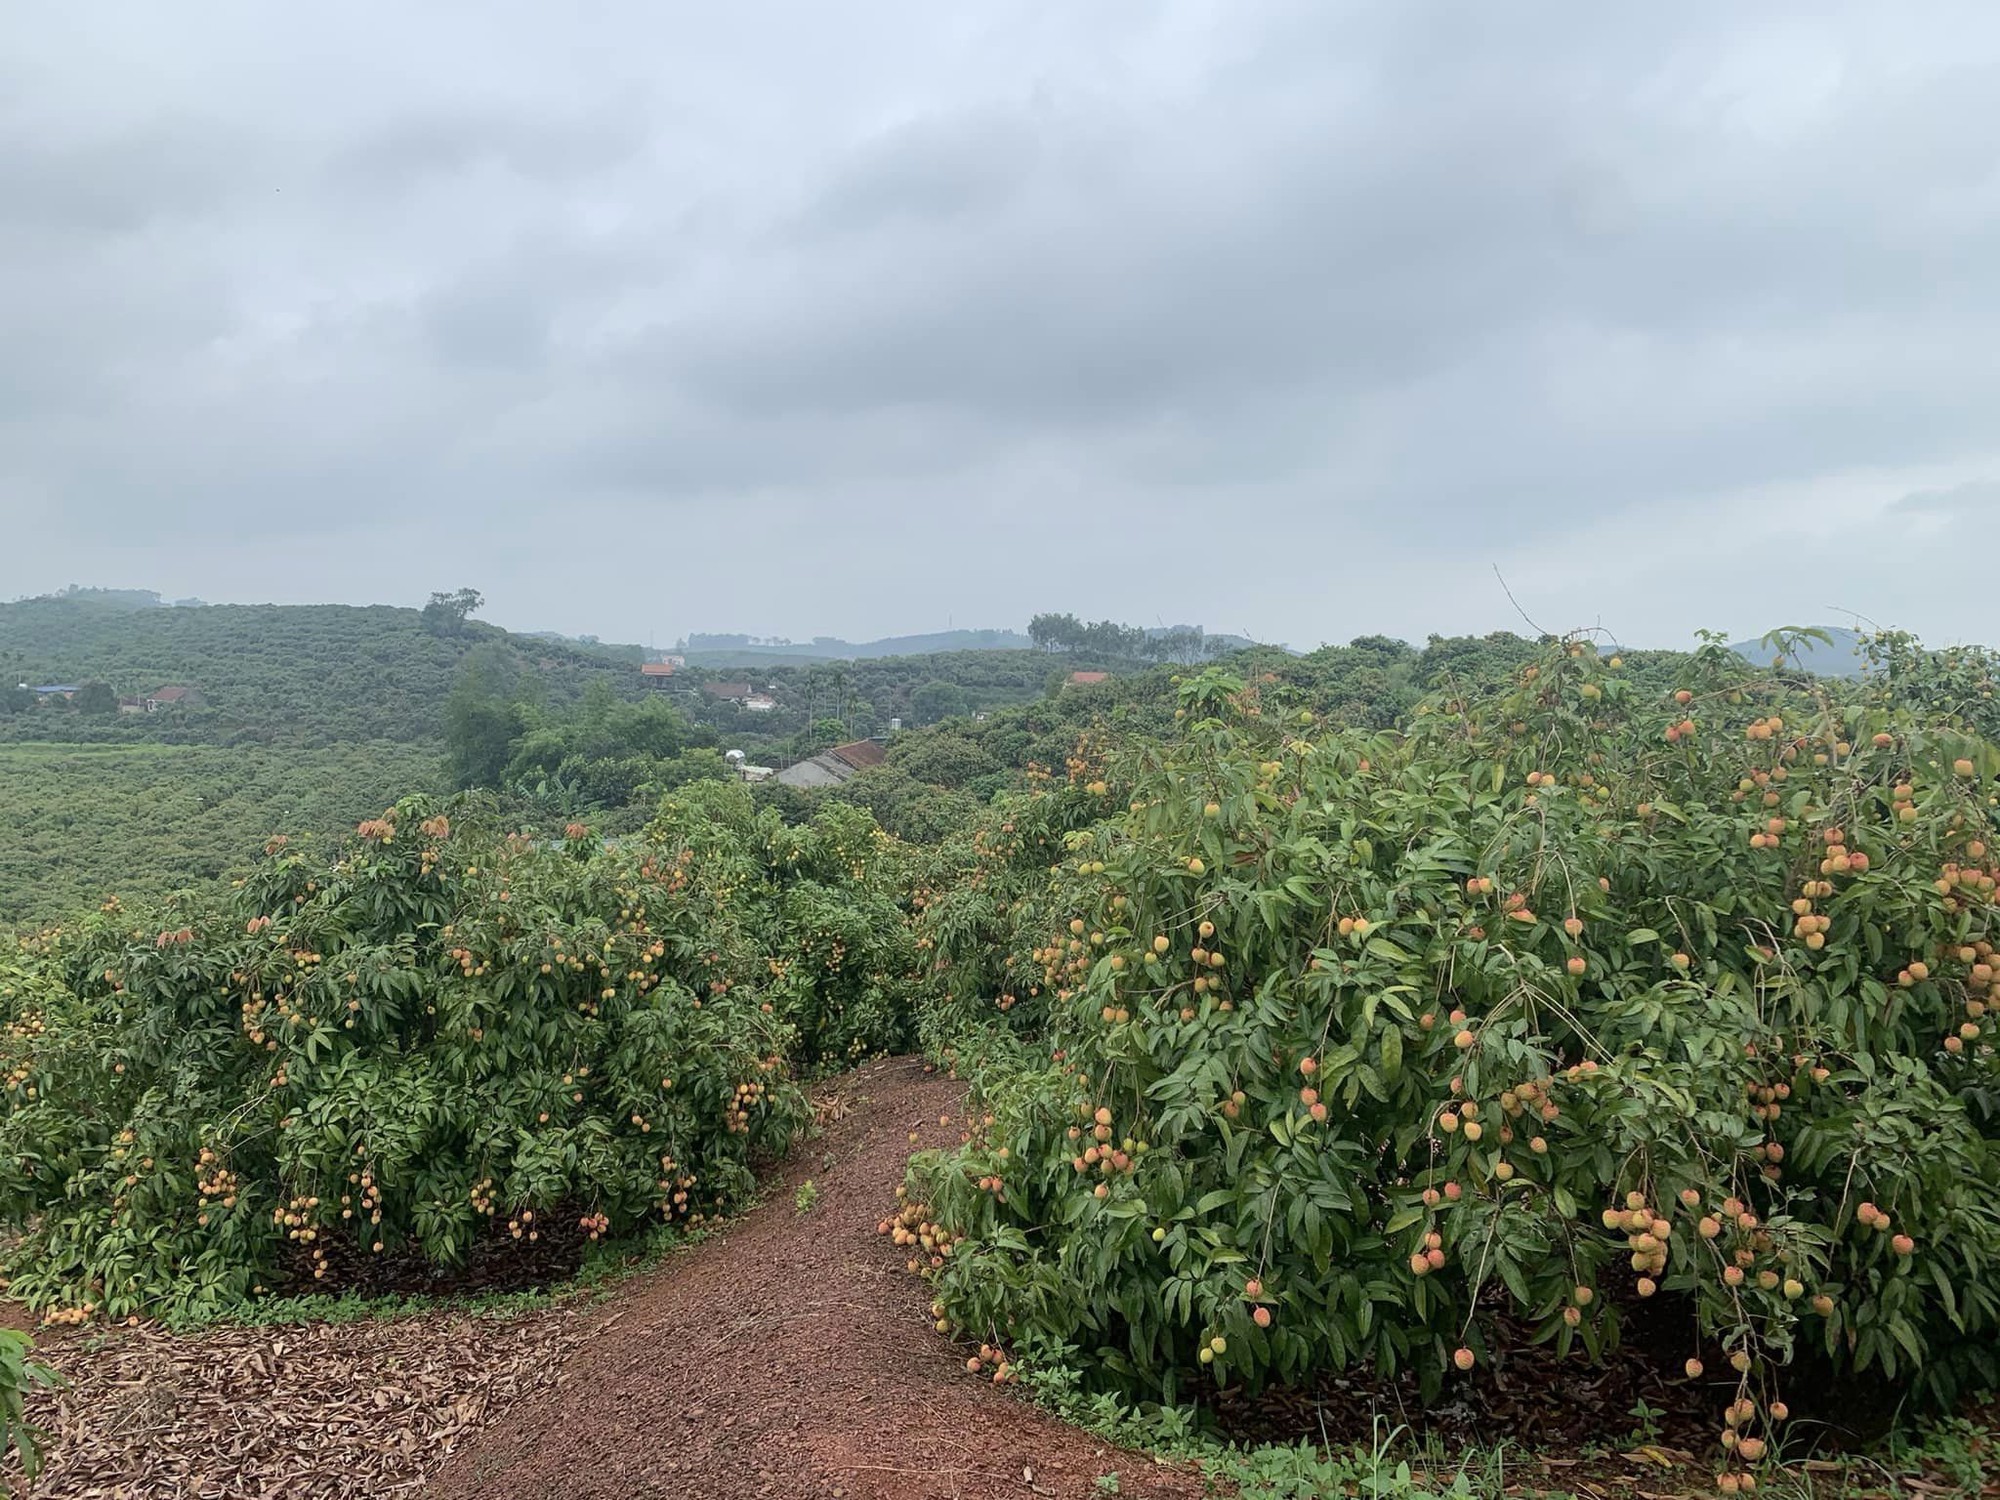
pixel 663 641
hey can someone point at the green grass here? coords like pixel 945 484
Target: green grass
pixel 81 822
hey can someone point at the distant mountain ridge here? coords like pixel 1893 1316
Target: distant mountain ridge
pixel 707 648
pixel 722 650
pixel 1839 656
pixel 831 648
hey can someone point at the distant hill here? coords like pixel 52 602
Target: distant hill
pixel 707 649
pixel 714 650
pixel 265 673
pixel 1841 658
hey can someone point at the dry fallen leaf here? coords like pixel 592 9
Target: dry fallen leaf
pixel 1647 1453
pixel 328 1413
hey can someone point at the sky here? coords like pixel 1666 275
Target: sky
pixel 1295 318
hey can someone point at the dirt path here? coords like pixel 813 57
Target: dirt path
pixel 792 1355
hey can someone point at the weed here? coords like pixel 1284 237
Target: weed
pixel 1646 1420
pixel 1373 1471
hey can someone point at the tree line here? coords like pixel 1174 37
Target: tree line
pixel 1067 634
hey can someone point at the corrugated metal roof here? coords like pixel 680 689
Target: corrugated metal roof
pixel 860 754
pixel 821 770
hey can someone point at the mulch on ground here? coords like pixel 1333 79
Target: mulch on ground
pixel 495 1264
pixel 1636 1394
pixel 319 1412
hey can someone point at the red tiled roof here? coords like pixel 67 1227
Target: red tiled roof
pixel 861 754
pixel 726 689
pixel 1085 679
pixel 169 694
pixel 656 669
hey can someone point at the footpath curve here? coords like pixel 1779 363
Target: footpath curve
pixel 792 1355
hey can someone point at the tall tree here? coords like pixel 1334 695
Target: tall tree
pixel 482 718
pixel 1055 632
pixel 446 614
pixel 96 698
pixel 937 700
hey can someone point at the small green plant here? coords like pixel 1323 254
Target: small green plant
pixel 1955 1449
pixel 18 1375
pixel 806 1196
pixel 1107 1484
pixel 1377 1470
pixel 1646 1422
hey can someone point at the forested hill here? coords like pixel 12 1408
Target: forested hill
pixel 264 673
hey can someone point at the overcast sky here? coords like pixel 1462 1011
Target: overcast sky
pixel 1298 319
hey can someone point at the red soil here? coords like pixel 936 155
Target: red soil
pixel 793 1355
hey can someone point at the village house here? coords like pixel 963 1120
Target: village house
pixel 744 770
pixel 659 673
pixel 1086 679
pixel 172 695
pixel 832 767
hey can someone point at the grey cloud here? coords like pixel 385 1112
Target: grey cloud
pixel 1447 281
pixel 933 168
pixel 409 153
pixel 117 182
pixel 1976 497
pixel 486 327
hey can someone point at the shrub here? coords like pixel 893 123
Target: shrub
pixel 983 899
pixel 822 906
pixel 435 1039
pixel 1572 988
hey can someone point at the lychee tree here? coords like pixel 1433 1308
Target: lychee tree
pixel 823 907
pixel 983 898
pixel 439 1037
pixel 1570 993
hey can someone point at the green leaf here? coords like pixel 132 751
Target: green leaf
pixel 1392 1054
pixel 1510 1273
